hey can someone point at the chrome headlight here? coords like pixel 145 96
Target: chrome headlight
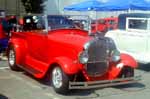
pixel 86 45
pixel 83 57
pixel 115 55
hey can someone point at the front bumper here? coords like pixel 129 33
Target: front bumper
pixel 103 83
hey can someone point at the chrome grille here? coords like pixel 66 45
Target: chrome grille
pixel 96 69
pixel 98 52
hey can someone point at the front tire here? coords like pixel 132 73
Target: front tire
pixel 12 59
pixel 60 81
pixel 127 72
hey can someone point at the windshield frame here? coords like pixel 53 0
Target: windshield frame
pixel 128 27
pixel 72 19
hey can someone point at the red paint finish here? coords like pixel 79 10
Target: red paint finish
pixel 38 50
pixel 127 60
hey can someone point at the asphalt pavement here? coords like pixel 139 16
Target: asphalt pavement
pixel 21 85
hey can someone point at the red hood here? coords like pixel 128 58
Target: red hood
pixel 74 37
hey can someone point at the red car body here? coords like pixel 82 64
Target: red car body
pixel 38 52
pixel 105 24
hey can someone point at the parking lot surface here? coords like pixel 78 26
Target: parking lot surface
pixel 21 85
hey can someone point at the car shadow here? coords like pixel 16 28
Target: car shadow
pixel 91 93
pixel 131 87
pixel 81 92
pixel 144 67
pixel 76 92
pixel 3 97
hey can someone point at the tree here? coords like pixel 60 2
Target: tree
pixel 33 6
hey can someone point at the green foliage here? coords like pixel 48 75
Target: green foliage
pixel 33 6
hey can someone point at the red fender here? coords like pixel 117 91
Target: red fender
pixel 128 60
pixel 68 65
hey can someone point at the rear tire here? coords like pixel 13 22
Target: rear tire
pixel 59 80
pixel 12 59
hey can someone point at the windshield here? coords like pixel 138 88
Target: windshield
pixel 51 22
pixel 60 22
pixel 56 22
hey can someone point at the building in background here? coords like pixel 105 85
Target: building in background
pixel 12 6
pixel 54 7
pixel 57 6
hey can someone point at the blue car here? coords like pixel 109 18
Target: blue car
pixel 3 44
pixel 3 37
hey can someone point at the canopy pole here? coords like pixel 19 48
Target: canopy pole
pixel 129 10
pixel 96 21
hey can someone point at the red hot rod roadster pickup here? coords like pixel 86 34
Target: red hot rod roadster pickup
pixel 51 46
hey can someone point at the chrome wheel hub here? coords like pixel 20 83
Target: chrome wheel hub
pixel 57 77
pixel 11 57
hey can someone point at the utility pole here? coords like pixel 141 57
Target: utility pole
pixel 17 7
pixel 58 6
pixel 5 3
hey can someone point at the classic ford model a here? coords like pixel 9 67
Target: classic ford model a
pixel 53 47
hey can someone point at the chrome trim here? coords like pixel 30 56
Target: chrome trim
pixel 103 83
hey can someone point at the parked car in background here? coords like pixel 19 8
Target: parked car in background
pixel 133 35
pixel 3 36
pixel 52 47
pixel 6 26
pixel 104 24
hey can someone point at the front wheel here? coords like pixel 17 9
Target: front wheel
pixel 60 81
pixel 127 72
pixel 12 59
